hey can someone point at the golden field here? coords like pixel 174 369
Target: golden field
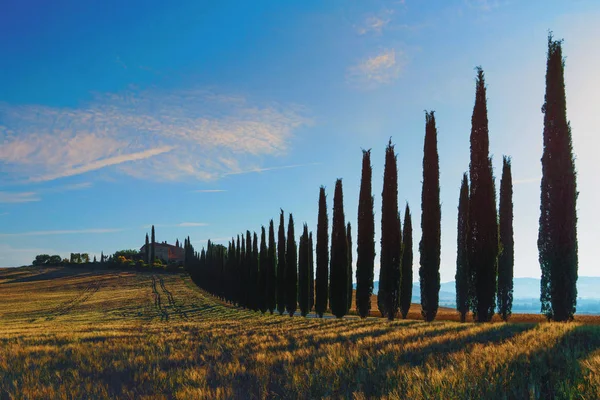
pixel 94 334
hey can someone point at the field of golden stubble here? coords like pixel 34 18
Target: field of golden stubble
pixel 67 333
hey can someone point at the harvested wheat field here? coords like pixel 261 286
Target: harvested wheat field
pixel 68 333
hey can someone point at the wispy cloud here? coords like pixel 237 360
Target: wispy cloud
pixel 249 171
pixel 179 225
pixel 380 69
pixel 19 197
pixel 375 23
pixel 485 5
pixel 209 191
pixel 61 232
pixel 150 135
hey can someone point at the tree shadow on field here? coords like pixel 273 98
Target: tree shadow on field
pixel 551 372
pixel 378 384
pixel 49 274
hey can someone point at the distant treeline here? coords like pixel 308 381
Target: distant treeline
pixel 277 276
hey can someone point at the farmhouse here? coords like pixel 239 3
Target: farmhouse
pixel 168 253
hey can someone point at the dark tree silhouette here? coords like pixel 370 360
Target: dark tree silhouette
pixel 322 286
pixel 291 269
pixel 239 268
pixel 507 256
pixel 254 273
pixel 311 273
pixel 244 273
pixel 483 240
pixel 391 241
pixel 462 259
pixel 271 271
pixel 281 260
pixel 152 249
pixel 349 289
pixel 557 238
pixel 365 240
pixel 303 281
pixel 407 264
pixel 147 253
pixel 430 245
pixel 263 267
pixel 338 288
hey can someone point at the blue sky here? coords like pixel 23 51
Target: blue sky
pixel 205 118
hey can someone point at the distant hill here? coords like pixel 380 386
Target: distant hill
pixel 526 296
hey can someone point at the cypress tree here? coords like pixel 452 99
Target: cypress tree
pixel 365 241
pixel 557 239
pixel 291 270
pixel 263 261
pixel 303 281
pixel 429 247
pixel 254 282
pixel 322 286
pixel 238 268
pixel 244 274
pixel 338 294
pixel 311 273
pixel 462 255
pixel 407 264
pixel 389 272
pixel 483 220
pixel 271 270
pixel 281 281
pixel 506 260
pixel 349 290
pixel 147 248
pixel 152 253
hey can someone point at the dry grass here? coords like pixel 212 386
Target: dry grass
pixel 111 334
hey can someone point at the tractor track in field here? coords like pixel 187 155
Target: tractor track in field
pixel 171 300
pixel 67 306
pixel 164 315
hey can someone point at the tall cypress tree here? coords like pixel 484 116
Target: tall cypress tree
pixel 462 255
pixel 263 267
pixel 365 240
pixel 483 220
pixel 303 282
pixel 506 260
pixel 430 245
pixel 338 293
pixel 238 268
pixel 407 264
pixel 311 273
pixel 255 279
pixel 557 239
pixel 152 249
pixel 322 286
pixel 389 273
pixel 281 268
pixel 147 248
pixel 349 290
pixel 291 270
pixel 271 271
pixel 244 274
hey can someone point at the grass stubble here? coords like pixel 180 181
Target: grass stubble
pixel 67 333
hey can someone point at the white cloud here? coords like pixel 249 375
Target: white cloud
pixel 209 191
pixel 18 197
pixel 375 23
pixel 61 232
pixel 485 5
pixel 249 171
pixel 146 134
pixel 185 224
pixel 382 68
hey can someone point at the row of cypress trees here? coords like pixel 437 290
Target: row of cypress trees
pixel 282 276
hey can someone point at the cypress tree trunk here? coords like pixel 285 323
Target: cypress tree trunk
pixel 506 260
pixel 147 255
pixel 311 273
pixel 303 282
pixel 462 259
pixel 389 274
pixel 271 270
pixel 365 241
pixel 291 269
pixel 407 264
pixel 322 286
pixel 152 253
pixel 429 247
pixel 557 240
pixel 483 240
pixel 281 281
pixel 338 297
pixel 349 290
pixel 263 267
